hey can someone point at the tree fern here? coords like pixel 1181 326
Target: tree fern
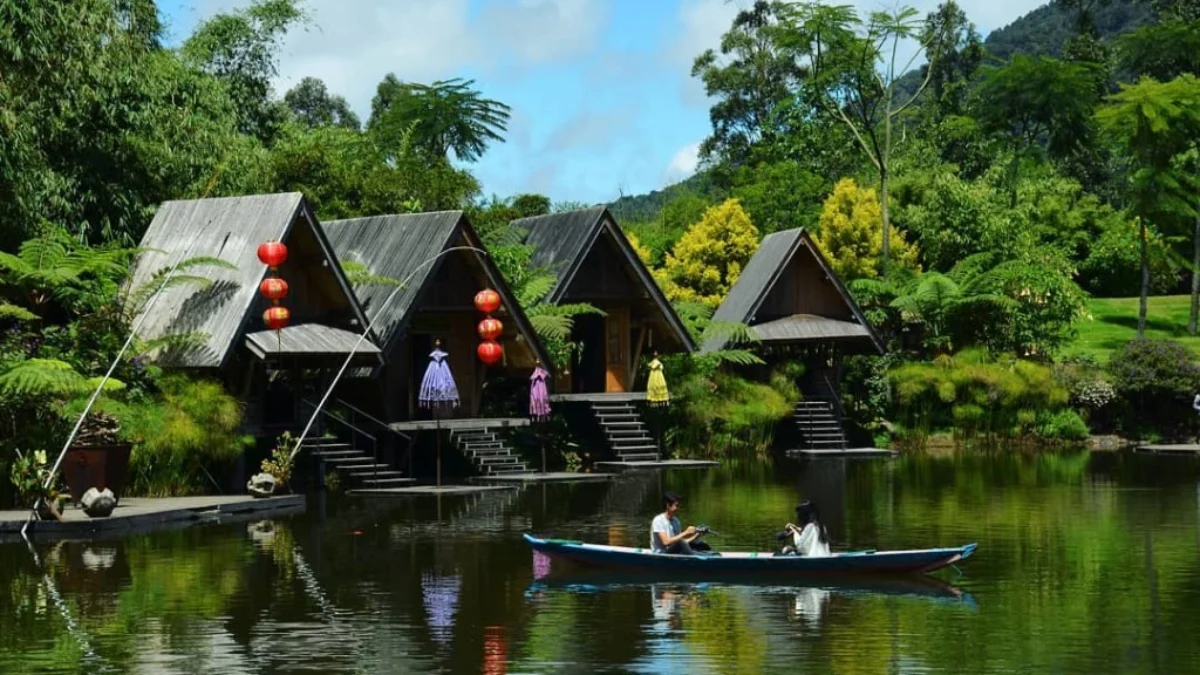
pixel 359 274
pixel 47 378
pixel 535 289
pixel 13 312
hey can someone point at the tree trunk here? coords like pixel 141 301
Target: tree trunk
pixel 1195 278
pixel 885 251
pixel 1145 293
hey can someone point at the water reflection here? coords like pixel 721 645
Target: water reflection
pixel 1068 541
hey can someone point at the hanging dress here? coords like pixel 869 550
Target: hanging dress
pixel 437 387
pixel 656 385
pixel 539 397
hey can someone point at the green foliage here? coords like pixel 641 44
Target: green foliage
pixel 981 398
pixel 282 460
pixel 55 268
pixel 30 476
pixel 444 116
pixel 660 235
pixel 1157 379
pixel 358 274
pixel 707 261
pixel 190 425
pixel 313 105
pixel 849 234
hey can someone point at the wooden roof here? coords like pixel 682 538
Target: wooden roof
pixel 229 228
pixel 405 247
pixel 309 339
pixel 759 278
pixel 562 241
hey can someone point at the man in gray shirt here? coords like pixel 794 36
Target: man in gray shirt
pixel 665 530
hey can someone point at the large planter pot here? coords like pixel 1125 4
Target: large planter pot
pixel 98 466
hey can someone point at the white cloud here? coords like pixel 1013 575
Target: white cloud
pixel 683 163
pixel 593 129
pixel 352 44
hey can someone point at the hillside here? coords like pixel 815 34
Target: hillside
pixel 1044 31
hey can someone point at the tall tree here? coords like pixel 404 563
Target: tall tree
pixel 853 74
pixel 311 103
pixel 754 77
pixel 241 49
pixel 955 53
pixel 445 116
pixel 1040 105
pixel 1154 124
pixel 1163 51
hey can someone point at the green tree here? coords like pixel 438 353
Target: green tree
pixel 849 237
pixel 854 76
pixel 955 53
pixel 241 49
pixel 754 79
pixel 1153 123
pixel 709 258
pixel 1040 105
pixel 312 104
pixel 445 116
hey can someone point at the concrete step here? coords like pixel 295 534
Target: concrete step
pixel 324 443
pixel 608 425
pixel 509 468
pixel 362 467
pixel 634 440
pixel 333 455
pixel 489 452
pixel 476 436
pixel 498 459
pixel 376 475
pixel 385 482
pixel 636 448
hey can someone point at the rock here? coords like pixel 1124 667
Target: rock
pixel 98 503
pixel 261 485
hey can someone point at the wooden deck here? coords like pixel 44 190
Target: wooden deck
pixel 428 490
pixel 459 424
pixel 1171 449
pixel 137 515
pixel 658 464
pixel 843 452
pixel 548 477
pixel 618 397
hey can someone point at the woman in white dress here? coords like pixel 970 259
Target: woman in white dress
pixel 809 538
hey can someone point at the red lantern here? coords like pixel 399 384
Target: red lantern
pixel 272 253
pixel 487 301
pixel 489 352
pixel 273 289
pixel 490 329
pixel 276 317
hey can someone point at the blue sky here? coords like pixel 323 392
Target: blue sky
pixel 602 95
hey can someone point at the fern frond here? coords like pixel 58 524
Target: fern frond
pixel 359 274
pixel 570 310
pixel 552 327
pixel 730 332
pixel 42 377
pixel 737 357
pixel 16 313
pixel 535 288
pixel 182 341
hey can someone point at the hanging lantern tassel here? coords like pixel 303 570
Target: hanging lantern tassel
pixel 489 351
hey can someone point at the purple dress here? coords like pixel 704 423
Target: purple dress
pixel 437 387
pixel 539 398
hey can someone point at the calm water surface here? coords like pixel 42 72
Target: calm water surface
pixel 1086 563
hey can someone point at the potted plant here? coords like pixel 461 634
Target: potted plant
pixel 278 467
pixel 98 458
pixel 29 476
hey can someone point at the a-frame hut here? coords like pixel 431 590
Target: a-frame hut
pixel 271 371
pixel 440 260
pixel 799 309
pixel 594 263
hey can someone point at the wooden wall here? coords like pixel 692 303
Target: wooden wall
pixel 803 289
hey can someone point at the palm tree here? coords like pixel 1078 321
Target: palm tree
pixel 443 116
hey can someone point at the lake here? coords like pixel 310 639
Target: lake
pixel 1087 562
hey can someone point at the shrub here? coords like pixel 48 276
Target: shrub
pixel 1157 380
pixel 1064 425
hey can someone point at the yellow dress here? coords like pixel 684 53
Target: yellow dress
pixel 656 385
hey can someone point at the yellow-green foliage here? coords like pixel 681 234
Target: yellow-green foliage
pixel 851 233
pixel 191 424
pixel 642 252
pixel 719 412
pixel 708 259
pixel 976 395
pixel 279 464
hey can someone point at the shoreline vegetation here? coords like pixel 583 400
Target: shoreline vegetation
pixel 992 214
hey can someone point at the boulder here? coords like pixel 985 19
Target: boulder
pixel 98 503
pixel 261 485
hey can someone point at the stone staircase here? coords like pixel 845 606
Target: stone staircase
pixel 356 466
pixel 488 451
pixel 626 433
pixel 819 425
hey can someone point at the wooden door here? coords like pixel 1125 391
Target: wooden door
pixel 616 339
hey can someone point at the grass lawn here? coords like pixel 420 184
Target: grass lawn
pixel 1114 322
